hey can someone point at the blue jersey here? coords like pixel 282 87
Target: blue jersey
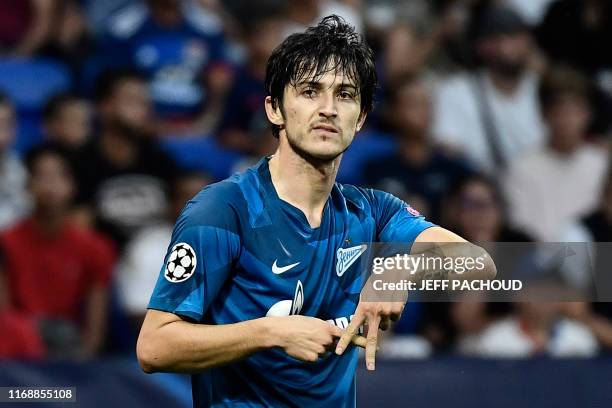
pixel 174 59
pixel 238 252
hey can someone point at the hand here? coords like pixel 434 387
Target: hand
pixel 376 315
pixel 308 338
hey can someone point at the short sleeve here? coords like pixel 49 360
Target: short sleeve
pixel 199 259
pixel 396 221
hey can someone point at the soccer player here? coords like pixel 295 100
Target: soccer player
pixel 255 291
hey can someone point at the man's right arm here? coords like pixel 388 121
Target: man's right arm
pixel 169 343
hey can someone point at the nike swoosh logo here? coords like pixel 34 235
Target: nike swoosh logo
pixel 278 270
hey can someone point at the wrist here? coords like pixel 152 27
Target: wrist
pixel 267 332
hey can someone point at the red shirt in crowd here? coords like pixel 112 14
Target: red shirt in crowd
pixel 50 276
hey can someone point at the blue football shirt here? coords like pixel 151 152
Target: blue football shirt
pixel 238 252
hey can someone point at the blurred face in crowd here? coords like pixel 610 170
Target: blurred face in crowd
pixel 479 215
pixel 130 104
pixel 51 184
pixel 7 126
pixel 412 109
pixel 506 54
pixel 568 118
pixel 320 116
pixel 71 124
pixel 537 314
pixel 404 51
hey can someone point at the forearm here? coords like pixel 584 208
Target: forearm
pixel 95 324
pixel 180 346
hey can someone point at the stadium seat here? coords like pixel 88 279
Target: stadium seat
pixel 18 77
pixel 203 154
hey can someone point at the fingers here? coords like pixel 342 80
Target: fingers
pixel 372 342
pixel 359 341
pixel 350 331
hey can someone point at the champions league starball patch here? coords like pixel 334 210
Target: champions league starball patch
pixel 181 263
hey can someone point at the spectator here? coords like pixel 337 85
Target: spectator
pixel 423 169
pixel 136 271
pixel 492 114
pixel 537 328
pixel 183 56
pixel 552 187
pixel 123 96
pixel 244 109
pixel 123 174
pixel 67 122
pixel 56 272
pixel 476 210
pixel 14 202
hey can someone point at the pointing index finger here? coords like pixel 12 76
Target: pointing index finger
pixel 350 331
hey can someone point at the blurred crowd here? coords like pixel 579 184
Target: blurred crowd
pixel 493 119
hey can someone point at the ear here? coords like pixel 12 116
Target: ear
pixel 274 113
pixel 361 120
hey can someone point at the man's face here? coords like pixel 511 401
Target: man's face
pixel 507 54
pixel 72 123
pixel 131 104
pixel 51 184
pixel 320 117
pixel 412 111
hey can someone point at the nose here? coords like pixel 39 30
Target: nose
pixel 327 108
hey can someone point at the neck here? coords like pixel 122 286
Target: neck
pixel 504 83
pixel 564 149
pixel 303 183
pixel 49 222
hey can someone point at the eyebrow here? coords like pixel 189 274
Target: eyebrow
pixel 319 85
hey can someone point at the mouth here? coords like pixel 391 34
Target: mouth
pixel 327 128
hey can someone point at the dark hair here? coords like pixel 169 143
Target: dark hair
pixel 107 82
pixel 332 41
pixel 56 103
pixel 560 81
pixel 34 154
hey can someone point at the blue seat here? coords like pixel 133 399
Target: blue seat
pixel 366 146
pixel 202 154
pixel 31 82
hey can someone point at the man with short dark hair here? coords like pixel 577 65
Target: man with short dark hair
pixel 255 290
pixel 54 270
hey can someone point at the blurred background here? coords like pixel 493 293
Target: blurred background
pixel 493 119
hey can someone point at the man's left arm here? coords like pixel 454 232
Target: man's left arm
pixel 429 239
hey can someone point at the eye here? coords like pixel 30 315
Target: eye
pixel 345 95
pixel 309 93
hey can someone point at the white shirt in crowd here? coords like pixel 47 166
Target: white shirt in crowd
pixel 505 338
pixel 14 200
pixel 458 120
pixel 532 11
pixel 138 269
pixel 547 191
